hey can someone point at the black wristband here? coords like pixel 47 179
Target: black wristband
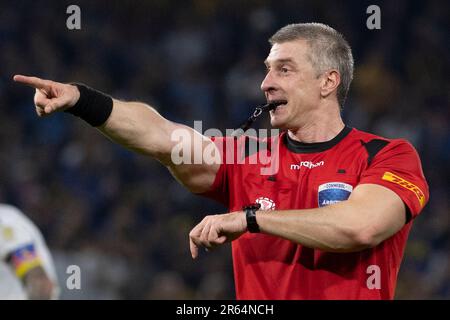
pixel 250 216
pixel 93 106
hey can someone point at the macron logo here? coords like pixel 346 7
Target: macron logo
pixel 307 164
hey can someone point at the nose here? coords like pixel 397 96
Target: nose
pixel 268 84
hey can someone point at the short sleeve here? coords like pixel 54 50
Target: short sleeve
pixel 13 234
pixel 398 168
pixel 219 191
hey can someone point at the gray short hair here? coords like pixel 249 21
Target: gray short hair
pixel 328 50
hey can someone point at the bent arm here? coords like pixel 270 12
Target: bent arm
pixel 371 215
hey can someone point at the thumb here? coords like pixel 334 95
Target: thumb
pixel 55 104
pixel 221 240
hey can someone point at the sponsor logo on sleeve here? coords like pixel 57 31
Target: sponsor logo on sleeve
pixel 333 192
pixel 389 176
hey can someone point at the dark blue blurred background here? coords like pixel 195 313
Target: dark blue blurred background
pixel 121 217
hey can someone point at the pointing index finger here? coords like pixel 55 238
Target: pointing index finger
pixel 34 82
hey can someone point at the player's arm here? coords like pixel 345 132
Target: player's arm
pixel 136 126
pixel 371 215
pixel 27 266
pixel 38 285
pixel 142 129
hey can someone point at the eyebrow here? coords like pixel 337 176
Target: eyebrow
pixel 285 60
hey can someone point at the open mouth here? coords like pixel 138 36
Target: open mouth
pixel 278 103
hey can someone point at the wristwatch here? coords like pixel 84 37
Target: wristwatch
pixel 250 215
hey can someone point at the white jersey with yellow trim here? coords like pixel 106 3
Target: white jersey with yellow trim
pixel 18 231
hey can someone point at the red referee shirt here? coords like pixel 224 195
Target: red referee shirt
pixel 311 176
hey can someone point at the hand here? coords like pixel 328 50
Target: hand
pixel 216 230
pixel 50 96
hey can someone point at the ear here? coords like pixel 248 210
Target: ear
pixel 330 82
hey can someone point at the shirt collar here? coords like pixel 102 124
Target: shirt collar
pixel 303 147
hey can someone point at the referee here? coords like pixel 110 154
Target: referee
pixel 331 223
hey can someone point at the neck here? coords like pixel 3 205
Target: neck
pixel 319 126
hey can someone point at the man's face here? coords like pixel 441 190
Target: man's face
pixel 291 77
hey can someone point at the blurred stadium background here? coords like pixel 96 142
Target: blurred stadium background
pixel 120 216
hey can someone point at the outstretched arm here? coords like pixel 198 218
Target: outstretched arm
pixel 136 126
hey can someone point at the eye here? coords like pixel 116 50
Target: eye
pixel 284 69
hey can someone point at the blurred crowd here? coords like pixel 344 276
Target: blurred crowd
pixel 120 216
